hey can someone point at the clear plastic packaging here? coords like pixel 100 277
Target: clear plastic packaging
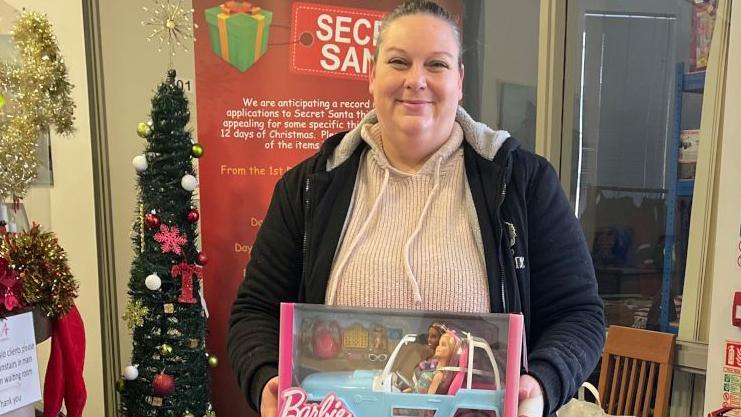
pixel 338 362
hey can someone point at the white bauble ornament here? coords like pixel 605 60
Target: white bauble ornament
pixel 140 163
pixel 130 373
pixel 189 182
pixel 153 282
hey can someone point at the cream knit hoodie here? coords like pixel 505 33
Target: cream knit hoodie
pixel 411 241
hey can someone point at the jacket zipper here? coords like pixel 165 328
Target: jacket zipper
pixel 307 204
pixel 501 265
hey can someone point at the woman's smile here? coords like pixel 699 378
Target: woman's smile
pixel 414 105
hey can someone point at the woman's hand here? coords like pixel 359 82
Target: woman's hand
pixel 531 397
pixel 269 401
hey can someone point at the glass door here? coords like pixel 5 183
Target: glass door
pixel 632 101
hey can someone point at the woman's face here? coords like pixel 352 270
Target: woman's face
pixel 417 82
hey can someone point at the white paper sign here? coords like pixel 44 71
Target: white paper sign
pixel 19 369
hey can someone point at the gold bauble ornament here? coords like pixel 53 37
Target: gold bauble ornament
pixel 165 349
pixel 213 361
pixel 196 150
pixel 188 414
pixel 143 130
pixel 120 385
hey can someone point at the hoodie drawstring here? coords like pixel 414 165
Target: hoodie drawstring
pixel 407 246
pixel 361 232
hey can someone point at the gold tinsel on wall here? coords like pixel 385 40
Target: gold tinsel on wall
pixel 38 95
pixel 42 264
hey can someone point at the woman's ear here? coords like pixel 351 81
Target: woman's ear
pixel 460 83
pixel 371 76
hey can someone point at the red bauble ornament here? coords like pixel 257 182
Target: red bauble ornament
pixel 202 259
pixel 193 216
pixel 152 220
pixel 163 385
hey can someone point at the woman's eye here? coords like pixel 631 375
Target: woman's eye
pixel 439 64
pixel 397 61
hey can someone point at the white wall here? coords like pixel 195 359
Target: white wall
pixel 68 208
pixel 726 271
pixel 510 50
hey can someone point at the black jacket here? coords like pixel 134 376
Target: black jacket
pixel 547 275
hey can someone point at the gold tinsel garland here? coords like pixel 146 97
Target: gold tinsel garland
pixel 38 95
pixel 46 279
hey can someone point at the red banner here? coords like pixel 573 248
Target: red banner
pixel 273 80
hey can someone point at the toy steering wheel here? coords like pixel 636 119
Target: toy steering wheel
pixel 400 381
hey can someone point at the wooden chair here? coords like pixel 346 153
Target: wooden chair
pixel 636 374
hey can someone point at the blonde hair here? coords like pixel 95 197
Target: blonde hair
pixel 415 7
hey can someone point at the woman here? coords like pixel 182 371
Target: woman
pixel 421 207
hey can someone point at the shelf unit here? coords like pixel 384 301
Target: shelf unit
pixel 693 82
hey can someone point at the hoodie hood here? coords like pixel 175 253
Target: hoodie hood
pixel 483 139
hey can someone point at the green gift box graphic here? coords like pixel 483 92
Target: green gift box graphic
pixel 239 32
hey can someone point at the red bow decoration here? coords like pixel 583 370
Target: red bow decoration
pixel 232 6
pixel 10 291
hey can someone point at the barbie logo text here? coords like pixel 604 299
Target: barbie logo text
pixel 295 405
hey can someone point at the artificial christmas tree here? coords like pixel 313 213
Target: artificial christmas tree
pixel 168 375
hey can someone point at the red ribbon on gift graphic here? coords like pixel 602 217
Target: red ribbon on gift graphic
pixel 186 272
pixel 231 7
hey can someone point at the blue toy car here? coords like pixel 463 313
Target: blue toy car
pixel 473 388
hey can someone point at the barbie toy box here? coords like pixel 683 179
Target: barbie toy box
pixel 371 363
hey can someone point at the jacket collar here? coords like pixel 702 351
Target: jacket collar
pixel 484 140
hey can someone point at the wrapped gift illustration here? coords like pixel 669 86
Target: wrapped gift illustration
pixel 239 32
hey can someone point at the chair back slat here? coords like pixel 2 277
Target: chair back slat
pixel 615 381
pixel 623 384
pixel 631 387
pixel 641 389
pixel 662 397
pixel 649 391
pixel 636 372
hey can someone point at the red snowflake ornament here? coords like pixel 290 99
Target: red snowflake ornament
pixel 10 286
pixel 171 239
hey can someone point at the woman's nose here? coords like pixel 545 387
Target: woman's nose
pixel 416 78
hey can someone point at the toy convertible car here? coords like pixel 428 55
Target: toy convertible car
pixel 373 392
